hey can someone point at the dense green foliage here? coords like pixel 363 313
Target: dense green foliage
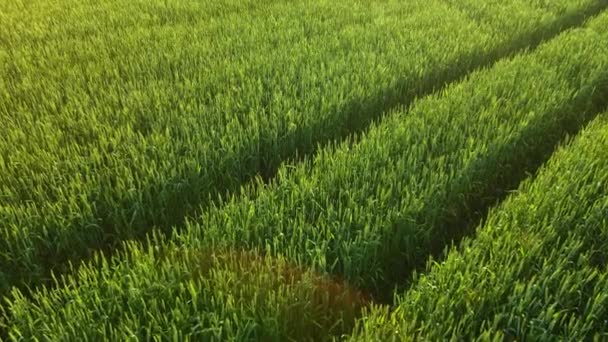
pixel 536 270
pixel 370 210
pixel 120 116
pixel 374 210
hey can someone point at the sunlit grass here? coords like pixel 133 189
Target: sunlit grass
pixel 264 264
pixel 193 294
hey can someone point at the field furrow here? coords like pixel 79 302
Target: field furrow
pixel 368 212
pixel 536 270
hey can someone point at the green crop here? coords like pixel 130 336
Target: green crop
pixel 118 117
pixel 536 270
pixel 368 211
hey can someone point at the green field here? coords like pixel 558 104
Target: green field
pixel 282 170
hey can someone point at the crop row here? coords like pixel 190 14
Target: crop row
pixel 118 118
pixel 370 212
pixel 536 270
